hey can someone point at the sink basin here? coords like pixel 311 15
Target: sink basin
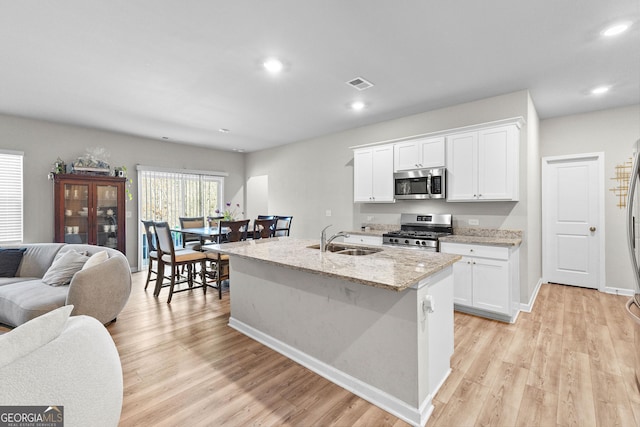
pixel 347 250
pixel 358 252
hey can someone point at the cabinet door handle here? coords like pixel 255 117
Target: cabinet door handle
pixel 592 229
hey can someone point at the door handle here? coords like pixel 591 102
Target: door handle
pixel 592 229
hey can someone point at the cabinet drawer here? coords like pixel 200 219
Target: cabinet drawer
pixel 495 252
pixel 364 239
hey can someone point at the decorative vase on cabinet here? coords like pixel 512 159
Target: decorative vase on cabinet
pixel 90 209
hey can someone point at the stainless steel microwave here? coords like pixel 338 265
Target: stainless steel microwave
pixel 420 184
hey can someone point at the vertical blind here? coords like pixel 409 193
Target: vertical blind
pixel 11 223
pixel 167 196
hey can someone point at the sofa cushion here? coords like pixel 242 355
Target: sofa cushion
pixel 10 259
pixel 95 259
pixel 10 280
pixel 23 301
pixel 38 258
pixel 64 266
pixel 32 335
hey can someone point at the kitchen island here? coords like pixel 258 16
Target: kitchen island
pixel 380 325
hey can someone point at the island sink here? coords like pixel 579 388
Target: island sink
pixel 347 250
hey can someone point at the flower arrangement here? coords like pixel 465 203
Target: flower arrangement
pixel 229 214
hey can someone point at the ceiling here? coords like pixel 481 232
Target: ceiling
pixel 183 69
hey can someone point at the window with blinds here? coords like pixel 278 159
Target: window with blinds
pixel 11 190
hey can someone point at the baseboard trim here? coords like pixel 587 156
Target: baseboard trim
pixel 618 291
pixel 529 306
pixel 385 401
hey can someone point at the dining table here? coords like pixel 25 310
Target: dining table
pixel 204 233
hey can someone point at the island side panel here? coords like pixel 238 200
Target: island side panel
pixel 366 332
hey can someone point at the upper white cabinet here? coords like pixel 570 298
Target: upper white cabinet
pixel 419 153
pixel 373 174
pixel 483 165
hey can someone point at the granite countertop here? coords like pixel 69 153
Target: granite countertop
pixel 484 236
pixel 480 240
pixel 391 268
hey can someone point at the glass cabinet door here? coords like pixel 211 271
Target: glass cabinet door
pixel 106 215
pixel 76 213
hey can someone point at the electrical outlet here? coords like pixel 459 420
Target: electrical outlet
pixel 129 214
pixel 328 212
pixel 474 222
pixel 369 218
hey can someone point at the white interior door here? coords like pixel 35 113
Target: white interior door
pixel 572 220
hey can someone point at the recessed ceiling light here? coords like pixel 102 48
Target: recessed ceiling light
pixel 357 105
pixel 224 130
pixel 239 150
pixel 273 65
pixel 600 90
pixel 614 30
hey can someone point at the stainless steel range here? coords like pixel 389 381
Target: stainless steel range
pixel 420 231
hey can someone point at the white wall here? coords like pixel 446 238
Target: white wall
pixel 310 177
pixel 612 132
pixel 43 142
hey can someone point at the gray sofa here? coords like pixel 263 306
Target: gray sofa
pixel 100 291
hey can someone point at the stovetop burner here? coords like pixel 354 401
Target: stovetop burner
pixel 420 231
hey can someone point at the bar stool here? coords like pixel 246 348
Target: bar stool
pixel 168 256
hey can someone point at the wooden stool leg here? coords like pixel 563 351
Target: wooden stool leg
pixel 173 282
pixel 203 274
pixel 159 279
pixel 149 274
pixel 218 279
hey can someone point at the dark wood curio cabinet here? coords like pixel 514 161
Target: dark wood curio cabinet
pixel 90 209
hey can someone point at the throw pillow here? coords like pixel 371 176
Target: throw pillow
pixel 95 259
pixel 64 266
pixel 32 335
pixel 10 261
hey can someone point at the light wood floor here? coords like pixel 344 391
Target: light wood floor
pixel 568 363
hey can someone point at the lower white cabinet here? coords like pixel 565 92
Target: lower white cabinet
pixel 486 280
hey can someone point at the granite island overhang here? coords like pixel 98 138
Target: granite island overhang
pixel 379 325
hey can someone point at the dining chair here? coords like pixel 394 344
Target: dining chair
pixel 283 226
pixel 151 250
pixel 193 241
pixel 213 221
pixel 267 217
pixel 264 228
pixel 168 256
pixel 234 231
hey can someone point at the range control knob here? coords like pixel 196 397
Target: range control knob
pixel 418 242
pixel 406 242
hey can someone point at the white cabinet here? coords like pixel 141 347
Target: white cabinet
pixel 486 280
pixel 373 174
pixel 483 165
pixel 419 153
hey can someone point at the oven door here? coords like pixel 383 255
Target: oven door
pixel 420 184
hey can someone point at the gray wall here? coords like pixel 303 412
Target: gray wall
pixel 613 132
pixel 43 142
pixel 308 178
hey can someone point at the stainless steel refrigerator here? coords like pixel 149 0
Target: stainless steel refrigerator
pixel 633 239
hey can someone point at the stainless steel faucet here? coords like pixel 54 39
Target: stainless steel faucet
pixel 324 242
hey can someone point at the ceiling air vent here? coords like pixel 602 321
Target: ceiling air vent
pixel 360 83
